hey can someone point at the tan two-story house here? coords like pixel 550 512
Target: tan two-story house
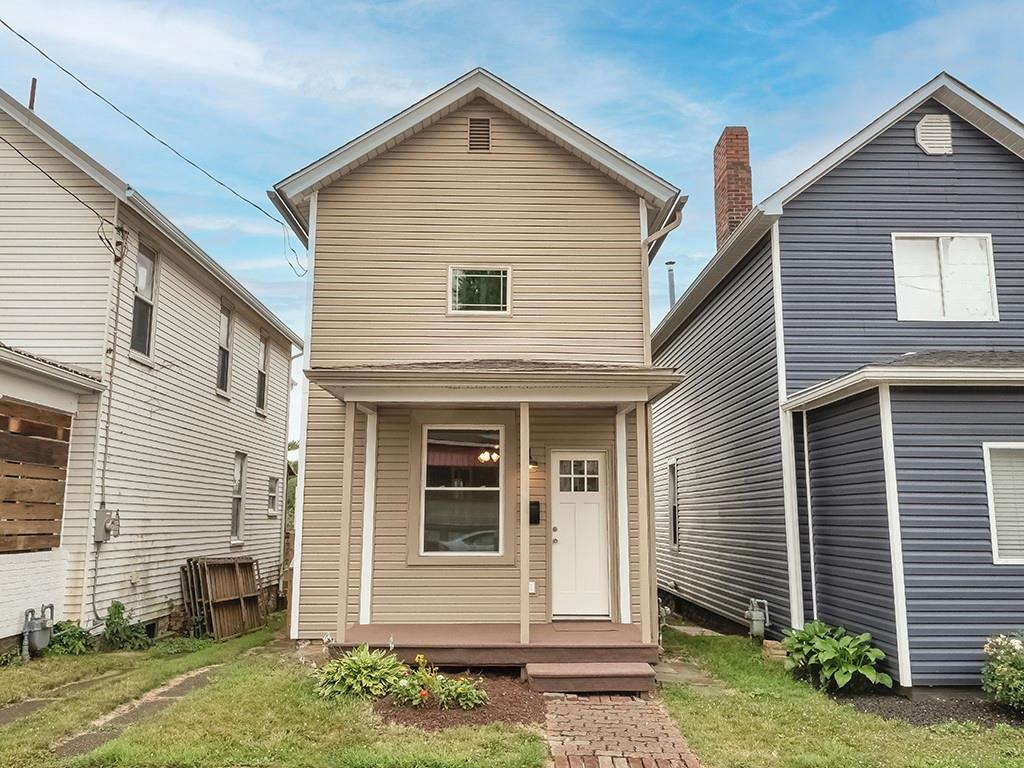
pixel 475 472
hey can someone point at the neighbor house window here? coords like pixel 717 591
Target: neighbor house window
pixel 224 351
pixel 238 499
pixel 272 486
pixel 479 290
pixel 1004 467
pixel 944 277
pixel 462 490
pixel 673 505
pixel 261 374
pixel 142 314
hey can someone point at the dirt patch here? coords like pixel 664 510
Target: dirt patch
pixel 508 701
pixel 933 710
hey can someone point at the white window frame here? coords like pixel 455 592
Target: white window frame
pixel 226 391
pixel 673 504
pixel 263 369
pixel 501 490
pixel 507 312
pixel 987 450
pixel 238 496
pixel 154 255
pixel 986 236
pixel 273 493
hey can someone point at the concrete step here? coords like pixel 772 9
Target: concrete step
pixel 579 677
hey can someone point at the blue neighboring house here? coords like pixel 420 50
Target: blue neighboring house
pixel 848 442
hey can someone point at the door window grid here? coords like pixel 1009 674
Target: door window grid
pixel 578 475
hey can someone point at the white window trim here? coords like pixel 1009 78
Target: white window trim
pixel 226 392
pixel 987 236
pixel 987 450
pixel 264 368
pixel 507 312
pixel 672 469
pixel 134 354
pixel 275 510
pixel 240 538
pixel 501 490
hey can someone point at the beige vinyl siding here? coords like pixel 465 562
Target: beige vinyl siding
pixel 54 272
pixel 404 593
pixel 173 440
pixel 388 231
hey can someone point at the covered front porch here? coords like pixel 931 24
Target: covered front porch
pixel 496 512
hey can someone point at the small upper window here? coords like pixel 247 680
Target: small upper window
pixel 142 314
pixel 224 351
pixel 479 290
pixel 1004 464
pixel 261 374
pixel 944 277
pixel 479 134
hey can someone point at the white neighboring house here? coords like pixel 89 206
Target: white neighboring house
pixel 143 398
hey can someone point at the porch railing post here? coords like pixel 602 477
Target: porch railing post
pixel 524 523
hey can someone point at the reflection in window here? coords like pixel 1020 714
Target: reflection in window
pixel 578 475
pixel 462 492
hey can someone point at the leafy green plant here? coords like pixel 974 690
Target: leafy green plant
pixel 10 658
pixel 1003 672
pixel 461 692
pixel 833 659
pixel 424 686
pixel 174 646
pixel 120 633
pixel 360 672
pixel 416 687
pixel 69 639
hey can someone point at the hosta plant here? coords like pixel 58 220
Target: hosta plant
pixel 360 672
pixel 833 659
pixel 1003 672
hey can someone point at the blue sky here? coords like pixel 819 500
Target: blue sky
pixel 256 90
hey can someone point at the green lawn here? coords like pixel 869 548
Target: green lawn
pixel 766 719
pixel 258 710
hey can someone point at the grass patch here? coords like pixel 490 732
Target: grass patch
pixel 26 742
pixel 264 711
pixel 765 718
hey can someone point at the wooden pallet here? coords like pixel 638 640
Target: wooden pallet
pixel 222 595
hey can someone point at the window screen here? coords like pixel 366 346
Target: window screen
pixel 1006 496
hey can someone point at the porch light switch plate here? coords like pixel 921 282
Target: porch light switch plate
pixel 533 587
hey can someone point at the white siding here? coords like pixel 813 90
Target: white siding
pixel 29 580
pixel 54 271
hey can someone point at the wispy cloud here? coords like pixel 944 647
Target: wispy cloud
pixel 247 225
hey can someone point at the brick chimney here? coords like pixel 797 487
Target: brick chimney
pixel 733 193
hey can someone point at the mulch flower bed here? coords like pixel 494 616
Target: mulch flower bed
pixel 931 710
pixel 508 701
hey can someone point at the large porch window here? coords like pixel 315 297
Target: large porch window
pixel 462 490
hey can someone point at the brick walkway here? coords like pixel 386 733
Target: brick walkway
pixel 614 732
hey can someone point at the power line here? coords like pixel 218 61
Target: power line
pixel 165 144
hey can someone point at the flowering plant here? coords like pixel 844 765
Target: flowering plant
pixel 1003 672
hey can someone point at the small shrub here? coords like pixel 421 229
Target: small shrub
pixel 833 659
pixel 11 658
pixel 424 686
pixel 120 633
pixel 69 639
pixel 360 672
pixel 173 646
pixel 461 692
pixel 1003 672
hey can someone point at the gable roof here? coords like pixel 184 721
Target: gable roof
pixel 143 208
pixel 957 97
pixel 291 195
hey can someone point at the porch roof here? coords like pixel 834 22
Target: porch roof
pixel 493 381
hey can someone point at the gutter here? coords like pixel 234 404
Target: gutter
pixel 291 215
pixel 654 241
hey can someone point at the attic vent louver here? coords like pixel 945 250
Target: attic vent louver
pixel 479 134
pixel 934 135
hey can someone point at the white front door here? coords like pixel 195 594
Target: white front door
pixel 579 535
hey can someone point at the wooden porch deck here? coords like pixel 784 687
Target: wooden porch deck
pixel 497 645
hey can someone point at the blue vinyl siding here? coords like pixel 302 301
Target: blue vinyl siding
pixel 956 596
pixel 721 426
pixel 853 563
pixel 839 293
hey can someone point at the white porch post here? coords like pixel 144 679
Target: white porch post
pixel 348 462
pixel 642 497
pixel 369 502
pixel 524 523
pixel 622 511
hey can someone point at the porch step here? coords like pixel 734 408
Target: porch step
pixel 579 677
